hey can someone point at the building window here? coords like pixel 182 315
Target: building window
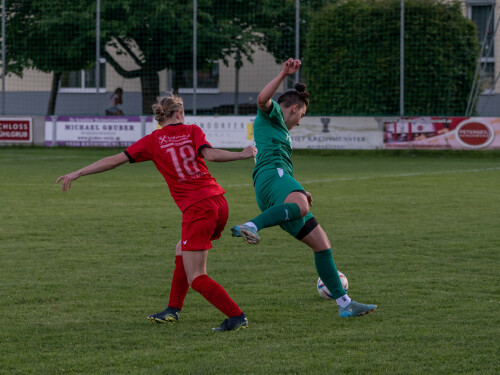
pixel 84 81
pixel 482 14
pixel 208 80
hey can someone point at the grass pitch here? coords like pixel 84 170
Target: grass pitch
pixel 415 233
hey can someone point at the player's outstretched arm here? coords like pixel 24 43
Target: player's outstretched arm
pixel 218 155
pixel 290 66
pixel 102 165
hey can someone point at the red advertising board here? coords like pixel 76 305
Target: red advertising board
pixel 442 133
pixel 16 130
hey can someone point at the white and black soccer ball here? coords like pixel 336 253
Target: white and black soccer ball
pixel 323 290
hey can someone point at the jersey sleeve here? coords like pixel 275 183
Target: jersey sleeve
pixel 275 116
pixel 142 150
pixel 200 141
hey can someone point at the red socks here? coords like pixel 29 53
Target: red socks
pixel 180 285
pixel 216 295
pixel 208 288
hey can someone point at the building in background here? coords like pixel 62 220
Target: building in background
pixel 486 14
pixel 217 85
pixel 77 92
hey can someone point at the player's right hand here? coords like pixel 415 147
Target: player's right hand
pixel 249 152
pixel 291 66
pixel 67 179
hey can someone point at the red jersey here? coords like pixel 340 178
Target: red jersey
pixel 175 150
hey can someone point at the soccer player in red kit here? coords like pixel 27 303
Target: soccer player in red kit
pixel 178 150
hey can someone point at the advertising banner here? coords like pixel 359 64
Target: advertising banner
pixel 442 133
pixel 226 131
pixel 16 130
pixel 355 133
pixel 122 131
pixel 98 131
pixel 314 132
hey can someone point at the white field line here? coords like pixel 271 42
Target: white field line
pixel 404 175
pixel 386 176
pixel 36 158
pixel 396 175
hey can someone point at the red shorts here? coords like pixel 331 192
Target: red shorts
pixel 203 222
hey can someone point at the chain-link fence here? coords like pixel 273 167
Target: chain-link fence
pixel 218 55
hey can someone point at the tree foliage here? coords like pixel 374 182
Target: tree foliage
pixel 276 20
pixel 158 35
pixel 59 36
pixel 353 58
pixel 51 36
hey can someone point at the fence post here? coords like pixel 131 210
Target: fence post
pixel 402 62
pixel 237 81
pixel 3 57
pixel 54 130
pixel 97 52
pixel 195 68
pixel 143 125
pixel 297 35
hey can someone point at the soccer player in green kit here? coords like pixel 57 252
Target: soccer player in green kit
pixel 282 200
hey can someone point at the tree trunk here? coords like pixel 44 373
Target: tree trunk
pixel 51 109
pixel 150 84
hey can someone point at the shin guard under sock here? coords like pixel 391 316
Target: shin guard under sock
pixel 275 215
pixel 327 271
pixel 180 285
pixel 216 295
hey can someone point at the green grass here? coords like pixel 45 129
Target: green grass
pixel 416 233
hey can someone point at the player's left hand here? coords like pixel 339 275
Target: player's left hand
pixel 309 199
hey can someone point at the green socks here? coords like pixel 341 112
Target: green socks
pixel 327 271
pixel 276 215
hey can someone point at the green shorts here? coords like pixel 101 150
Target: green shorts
pixel 272 186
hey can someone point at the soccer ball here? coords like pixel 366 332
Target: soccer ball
pixel 323 290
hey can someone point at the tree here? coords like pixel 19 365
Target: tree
pixel 353 58
pixel 51 36
pixel 241 17
pixel 276 20
pixel 158 35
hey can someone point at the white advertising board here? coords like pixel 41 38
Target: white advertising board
pixel 221 131
pixel 98 131
pixel 323 132
pixel 225 131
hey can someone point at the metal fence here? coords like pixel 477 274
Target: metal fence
pixel 69 57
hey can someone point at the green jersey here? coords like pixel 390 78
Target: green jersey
pixel 273 141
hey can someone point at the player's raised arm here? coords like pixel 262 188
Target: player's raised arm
pixel 218 155
pixel 290 66
pixel 102 165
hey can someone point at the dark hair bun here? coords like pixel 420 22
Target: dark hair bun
pixel 300 87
